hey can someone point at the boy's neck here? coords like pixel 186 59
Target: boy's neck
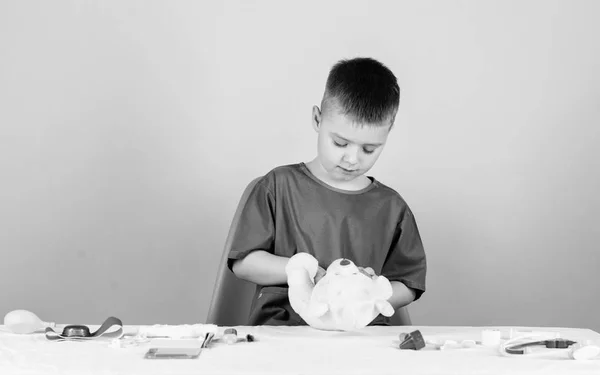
pixel 319 172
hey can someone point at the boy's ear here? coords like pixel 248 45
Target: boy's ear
pixel 316 118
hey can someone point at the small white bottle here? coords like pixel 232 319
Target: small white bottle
pixel 23 322
pixel 230 336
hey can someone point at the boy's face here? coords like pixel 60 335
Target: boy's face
pixel 347 150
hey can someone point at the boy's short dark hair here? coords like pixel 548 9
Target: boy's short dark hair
pixel 364 89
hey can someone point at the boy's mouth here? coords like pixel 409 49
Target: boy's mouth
pixel 347 170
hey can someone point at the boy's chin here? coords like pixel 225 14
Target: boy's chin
pixel 344 177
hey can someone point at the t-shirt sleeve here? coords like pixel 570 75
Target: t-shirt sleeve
pixel 406 261
pixel 253 226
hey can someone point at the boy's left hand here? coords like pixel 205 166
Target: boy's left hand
pixel 320 273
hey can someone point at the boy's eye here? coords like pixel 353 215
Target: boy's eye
pixel 365 150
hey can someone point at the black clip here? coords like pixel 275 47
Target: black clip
pixel 550 344
pixel 558 343
pixel 76 331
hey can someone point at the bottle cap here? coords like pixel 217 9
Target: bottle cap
pixel 413 340
pixel 230 331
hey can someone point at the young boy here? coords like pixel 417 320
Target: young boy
pixel 328 207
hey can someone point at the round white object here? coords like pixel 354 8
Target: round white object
pixel 490 337
pixel 583 352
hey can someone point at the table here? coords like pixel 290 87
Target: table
pixel 296 350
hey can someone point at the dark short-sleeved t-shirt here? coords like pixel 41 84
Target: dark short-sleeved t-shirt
pixel 289 210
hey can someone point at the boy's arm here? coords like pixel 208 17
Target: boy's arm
pixel 262 268
pixel 406 264
pixel 401 296
pixel 251 237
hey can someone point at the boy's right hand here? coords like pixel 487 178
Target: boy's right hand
pixel 320 273
pixel 368 271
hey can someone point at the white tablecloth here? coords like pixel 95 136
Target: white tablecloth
pixel 296 350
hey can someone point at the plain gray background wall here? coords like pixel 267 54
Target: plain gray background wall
pixel 128 130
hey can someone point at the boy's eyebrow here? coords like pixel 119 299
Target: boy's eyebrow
pixel 351 141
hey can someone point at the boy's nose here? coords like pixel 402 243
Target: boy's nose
pixel 351 157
